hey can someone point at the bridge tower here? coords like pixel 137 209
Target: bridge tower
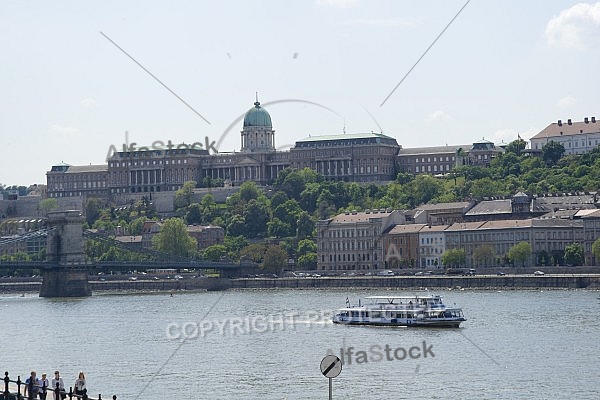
pixel 67 275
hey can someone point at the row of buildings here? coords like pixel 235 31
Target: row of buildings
pixel 382 239
pixel 357 157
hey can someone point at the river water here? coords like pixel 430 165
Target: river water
pixel 268 344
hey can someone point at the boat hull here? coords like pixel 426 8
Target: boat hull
pixel 416 324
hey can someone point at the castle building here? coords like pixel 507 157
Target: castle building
pixel 363 157
pixel 576 137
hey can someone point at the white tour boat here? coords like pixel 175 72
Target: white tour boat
pixel 420 311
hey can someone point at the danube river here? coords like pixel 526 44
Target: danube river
pixel 268 344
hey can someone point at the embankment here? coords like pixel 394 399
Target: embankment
pixel 580 281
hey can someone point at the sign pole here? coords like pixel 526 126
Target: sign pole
pixel 331 366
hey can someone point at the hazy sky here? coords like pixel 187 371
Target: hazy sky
pixel 67 93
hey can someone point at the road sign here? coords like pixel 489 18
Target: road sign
pixel 331 366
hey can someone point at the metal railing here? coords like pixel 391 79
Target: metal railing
pixel 42 390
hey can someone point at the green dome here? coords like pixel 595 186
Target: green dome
pixel 257 116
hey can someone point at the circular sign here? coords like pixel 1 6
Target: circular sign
pixel 331 366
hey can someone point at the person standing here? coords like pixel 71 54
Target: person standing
pixel 80 384
pixel 61 386
pixel 32 386
pixel 44 387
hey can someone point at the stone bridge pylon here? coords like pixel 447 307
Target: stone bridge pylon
pixel 66 274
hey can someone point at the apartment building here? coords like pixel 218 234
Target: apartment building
pixel 354 240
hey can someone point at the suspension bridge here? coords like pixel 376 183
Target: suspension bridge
pixel 65 269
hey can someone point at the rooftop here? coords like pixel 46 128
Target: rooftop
pixel 566 129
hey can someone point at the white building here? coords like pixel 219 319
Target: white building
pixel 576 137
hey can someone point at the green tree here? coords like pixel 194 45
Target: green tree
pixel 552 152
pixel 183 196
pixel 574 254
pixel 47 205
pixel 248 191
pixel 516 146
pixel 307 261
pixel 422 189
pixel 173 238
pixel 215 252
pixel 596 250
pixel 236 226
pixel 454 257
pixel 279 229
pixel 483 255
pixel 193 215
pixel 92 210
pixel 306 246
pixel 520 253
pixel 256 216
pixel 135 226
pixel 305 226
pixel 278 198
pixel 275 259
pixel 254 252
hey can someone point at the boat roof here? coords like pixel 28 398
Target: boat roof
pixel 403 297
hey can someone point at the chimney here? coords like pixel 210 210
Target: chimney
pixel 586 120
pixel 593 120
pixel 559 122
pixel 569 121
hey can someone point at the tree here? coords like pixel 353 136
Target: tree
pixel 92 210
pixel 293 185
pixel 596 250
pixel 236 226
pixel 279 229
pixel 173 238
pixel 454 257
pixel 307 261
pixel 552 152
pixel 135 227
pixel 520 252
pixel 215 252
pixel 254 252
pixel 248 191
pixel 183 196
pixel 275 259
pixel 516 146
pixel 306 246
pixel 483 255
pixel 574 254
pixel 278 198
pixel 422 189
pixel 288 212
pixel 256 216
pixel 305 226
pixel 47 205
pixel 193 215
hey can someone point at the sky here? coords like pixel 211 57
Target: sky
pixel 500 69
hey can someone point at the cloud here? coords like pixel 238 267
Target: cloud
pixel 567 102
pixel 61 131
pixel 577 27
pixel 337 3
pixel 88 102
pixel 438 116
pixel 385 22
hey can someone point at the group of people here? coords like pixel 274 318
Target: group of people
pixel 36 385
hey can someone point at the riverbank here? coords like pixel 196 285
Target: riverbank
pixel 555 281
pixel 562 281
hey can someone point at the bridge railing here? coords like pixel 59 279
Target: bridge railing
pixel 58 394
